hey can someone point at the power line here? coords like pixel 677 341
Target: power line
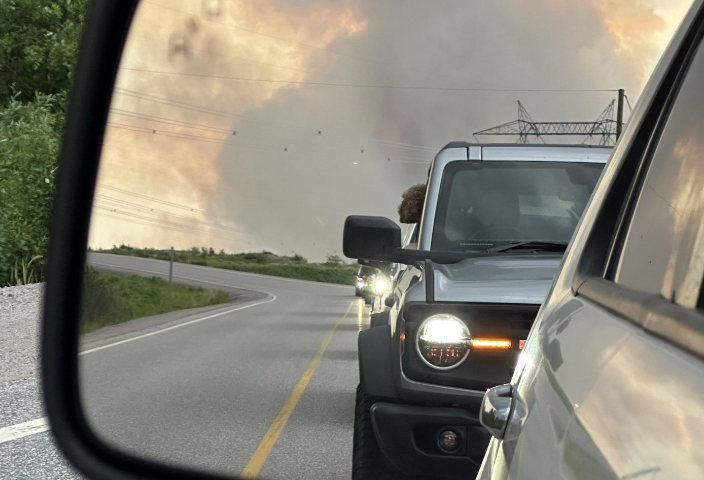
pixel 382 142
pixel 180 123
pixel 140 208
pixel 360 85
pixel 207 110
pixel 630 109
pixel 152 131
pixel 159 222
pixel 152 199
pixel 240 143
pixel 166 101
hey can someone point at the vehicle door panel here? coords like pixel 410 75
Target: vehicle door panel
pixel 574 343
pixel 648 386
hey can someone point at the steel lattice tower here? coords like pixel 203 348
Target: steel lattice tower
pixel 527 129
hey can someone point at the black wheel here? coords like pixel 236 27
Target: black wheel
pixel 368 462
pixel 357 292
pixel 368 300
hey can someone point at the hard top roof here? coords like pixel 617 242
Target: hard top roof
pixel 532 152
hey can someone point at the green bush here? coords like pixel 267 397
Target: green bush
pixel 38 47
pixel 29 147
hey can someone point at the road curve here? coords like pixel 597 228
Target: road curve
pixel 204 390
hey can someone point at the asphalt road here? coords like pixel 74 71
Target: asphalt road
pixel 263 386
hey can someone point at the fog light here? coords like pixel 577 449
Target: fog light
pixel 449 441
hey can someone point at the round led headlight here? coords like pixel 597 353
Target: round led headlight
pixel 380 285
pixel 443 341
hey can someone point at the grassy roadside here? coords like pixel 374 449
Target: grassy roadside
pixel 334 270
pixel 111 298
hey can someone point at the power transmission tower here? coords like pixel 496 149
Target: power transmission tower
pixel 605 128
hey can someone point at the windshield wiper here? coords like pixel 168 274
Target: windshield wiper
pixel 530 245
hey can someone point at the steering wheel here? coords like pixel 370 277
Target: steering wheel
pixel 492 229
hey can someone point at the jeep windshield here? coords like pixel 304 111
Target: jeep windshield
pixel 504 206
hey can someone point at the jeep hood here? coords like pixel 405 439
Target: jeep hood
pixel 520 279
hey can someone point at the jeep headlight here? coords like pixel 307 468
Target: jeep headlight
pixel 443 341
pixel 380 285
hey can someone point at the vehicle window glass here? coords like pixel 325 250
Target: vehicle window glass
pixel 482 204
pixel 412 234
pixel 664 245
pixel 365 271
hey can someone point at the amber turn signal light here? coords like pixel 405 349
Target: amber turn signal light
pixel 492 343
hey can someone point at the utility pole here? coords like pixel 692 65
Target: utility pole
pixel 171 265
pixel 619 113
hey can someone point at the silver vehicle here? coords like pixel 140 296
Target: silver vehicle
pixel 496 221
pixel 611 382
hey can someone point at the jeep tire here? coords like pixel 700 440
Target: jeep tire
pixel 368 462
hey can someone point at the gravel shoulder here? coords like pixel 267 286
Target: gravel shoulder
pixel 20 316
pixel 20 311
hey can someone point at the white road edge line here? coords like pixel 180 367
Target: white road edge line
pixel 258 275
pixel 13 432
pixel 271 298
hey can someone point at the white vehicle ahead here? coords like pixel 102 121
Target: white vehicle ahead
pixel 611 382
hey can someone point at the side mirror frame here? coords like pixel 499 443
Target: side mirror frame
pixel 106 27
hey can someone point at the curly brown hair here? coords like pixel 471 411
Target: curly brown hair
pixel 411 208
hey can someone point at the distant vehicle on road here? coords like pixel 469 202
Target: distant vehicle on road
pixel 611 380
pixel 363 285
pixel 384 299
pixel 496 222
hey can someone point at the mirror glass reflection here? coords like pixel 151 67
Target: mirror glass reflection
pixel 220 316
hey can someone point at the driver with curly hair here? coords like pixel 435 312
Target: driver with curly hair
pixel 412 200
pixel 410 210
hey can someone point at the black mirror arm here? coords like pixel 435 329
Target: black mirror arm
pixel 418 257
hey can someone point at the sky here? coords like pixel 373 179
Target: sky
pixel 250 125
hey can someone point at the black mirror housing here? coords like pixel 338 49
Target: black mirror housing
pixel 370 238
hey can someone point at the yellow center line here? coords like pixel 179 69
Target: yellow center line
pixel 256 462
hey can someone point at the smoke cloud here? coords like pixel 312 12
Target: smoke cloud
pixel 296 154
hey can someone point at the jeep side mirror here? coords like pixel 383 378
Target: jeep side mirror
pixel 370 238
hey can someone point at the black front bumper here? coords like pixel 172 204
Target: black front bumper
pixel 408 437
